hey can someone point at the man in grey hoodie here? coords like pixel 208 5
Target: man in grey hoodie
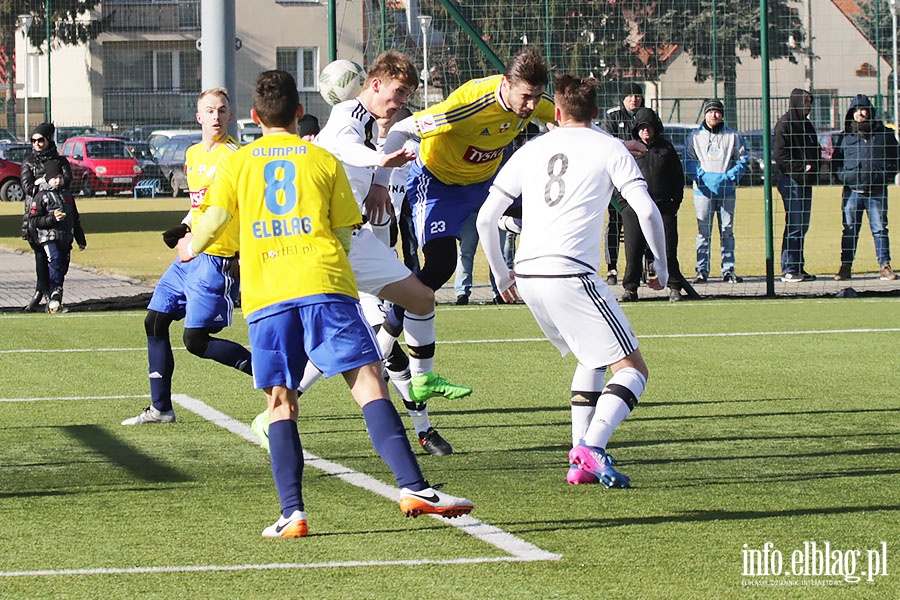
pixel 715 158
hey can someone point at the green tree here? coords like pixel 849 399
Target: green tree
pixel 70 24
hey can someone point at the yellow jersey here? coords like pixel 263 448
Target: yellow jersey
pixel 463 137
pixel 287 197
pixel 201 165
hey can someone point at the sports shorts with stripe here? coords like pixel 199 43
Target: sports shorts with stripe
pixel 374 264
pixel 579 314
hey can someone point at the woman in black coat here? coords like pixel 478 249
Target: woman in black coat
pixel 43 149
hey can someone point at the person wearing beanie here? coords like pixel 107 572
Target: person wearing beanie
pixel 865 141
pixel 53 224
pixel 796 152
pixel 715 160
pixel 619 121
pixel 43 149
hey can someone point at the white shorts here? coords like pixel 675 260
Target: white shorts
pixel 579 314
pixel 374 264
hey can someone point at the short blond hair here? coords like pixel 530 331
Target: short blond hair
pixel 216 91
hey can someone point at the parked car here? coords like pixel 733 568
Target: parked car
pixel 11 181
pixel 159 137
pixel 755 175
pixel 140 133
pixel 677 134
pixel 148 164
pixel 63 133
pixel 7 136
pixel 826 141
pixel 247 131
pixel 171 161
pixel 101 164
pixel 15 152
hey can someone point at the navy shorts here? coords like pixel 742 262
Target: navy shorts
pixel 200 291
pixel 440 209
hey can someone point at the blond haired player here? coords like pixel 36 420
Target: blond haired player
pixel 295 212
pixel 351 134
pixel 203 292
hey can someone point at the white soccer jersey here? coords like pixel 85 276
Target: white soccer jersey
pixel 351 134
pixel 566 178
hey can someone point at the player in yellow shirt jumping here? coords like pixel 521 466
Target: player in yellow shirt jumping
pixel 463 140
pixel 295 212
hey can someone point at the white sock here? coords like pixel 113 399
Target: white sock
pixel 584 381
pixel 311 374
pixel 419 331
pixel 613 407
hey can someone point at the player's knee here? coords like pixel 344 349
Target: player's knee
pixel 422 303
pixel 156 324
pixel 196 341
pixel 440 262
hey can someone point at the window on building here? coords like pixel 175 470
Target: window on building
pixel 302 63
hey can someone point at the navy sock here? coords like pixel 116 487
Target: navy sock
pixel 162 366
pixel 229 353
pixel 389 438
pixel 287 465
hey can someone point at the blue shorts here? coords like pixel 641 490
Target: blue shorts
pixel 440 209
pixel 333 335
pixel 201 292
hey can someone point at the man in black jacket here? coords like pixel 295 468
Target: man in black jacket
pixel 796 152
pixel 618 121
pixel 865 160
pixel 661 167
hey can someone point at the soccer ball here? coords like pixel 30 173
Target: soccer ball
pixel 341 80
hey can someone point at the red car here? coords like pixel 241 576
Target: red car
pixel 11 181
pixel 101 164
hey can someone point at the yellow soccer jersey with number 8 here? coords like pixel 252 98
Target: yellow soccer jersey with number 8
pixel 287 197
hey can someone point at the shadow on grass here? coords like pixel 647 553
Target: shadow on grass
pixel 137 464
pixel 112 222
pixel 700 516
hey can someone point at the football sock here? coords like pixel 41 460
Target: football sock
pixel 311 374
pixel 618 399
pixel 586 386
pixel 162 366
pixel 287 464
pixel 230 354
pixel 583 405
pixel 418 411
pixel 390 441
pixel 420 336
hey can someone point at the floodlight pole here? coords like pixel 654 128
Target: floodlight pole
pixel 425 25
pixel 25 22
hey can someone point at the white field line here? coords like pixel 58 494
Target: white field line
pixel 263 567
pixel 518 549
pixel 658 336
pixel 482 531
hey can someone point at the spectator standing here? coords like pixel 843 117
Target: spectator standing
pixel 53 224
pixel 43 149
pixel 865 160
pixel 715 159
pixel 663 172
pixel 619 121
pixel 796 152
